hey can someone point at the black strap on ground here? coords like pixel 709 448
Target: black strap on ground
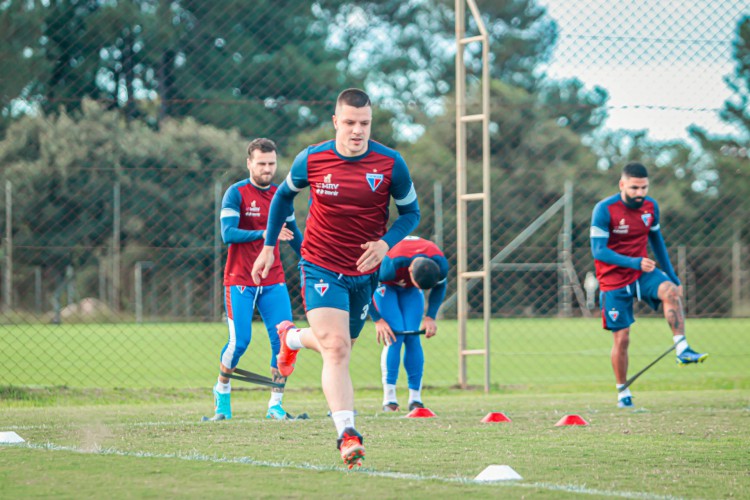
pixel 632 379
pixel 253 378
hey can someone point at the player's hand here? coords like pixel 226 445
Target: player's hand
pixel 430 327
pixel 384 332
pixel 373 256
pixel 647 265
pixel 286 234
pixel 262 264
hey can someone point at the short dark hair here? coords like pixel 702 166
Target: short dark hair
pixel 426 272
pixel 635 169
pixel 354 97
pixel 262 144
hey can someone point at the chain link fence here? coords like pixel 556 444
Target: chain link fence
pixel 123 123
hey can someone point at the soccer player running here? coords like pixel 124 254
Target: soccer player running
pixel 621 227
pixel 244 213
pixel 409 268
pixel 352 180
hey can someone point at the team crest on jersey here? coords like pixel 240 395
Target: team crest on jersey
pixel 646 218
pixel 321 288
pixel 614 314
pixel 374 180
pixel 380 290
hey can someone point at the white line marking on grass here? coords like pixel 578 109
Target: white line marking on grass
pixel 199 457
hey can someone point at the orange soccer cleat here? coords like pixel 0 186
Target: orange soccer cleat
pixel 351 447
pixel 286 357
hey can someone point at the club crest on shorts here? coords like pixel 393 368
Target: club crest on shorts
pixel 613 314
pixel 374 180
pixel 380 290
pixel 241 288
pixel 646 218
pixel 321 288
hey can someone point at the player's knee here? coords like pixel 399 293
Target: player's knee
pixel 669 293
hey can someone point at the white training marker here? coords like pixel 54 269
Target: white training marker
pixel 10 437
pixel 498 473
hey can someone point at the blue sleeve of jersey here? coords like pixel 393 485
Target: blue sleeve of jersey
pixel 662 256
pixel 437 294
pixel 600 237
pixel 402 190
pixel 230 220
pixel 282 206
pixel 296 243
pixel 387 269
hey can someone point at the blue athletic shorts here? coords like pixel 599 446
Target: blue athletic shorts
pixel 324 288
pixel 617 305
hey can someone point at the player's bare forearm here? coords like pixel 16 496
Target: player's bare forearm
pixel 262 264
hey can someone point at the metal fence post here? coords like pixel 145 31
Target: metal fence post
pixel 8 281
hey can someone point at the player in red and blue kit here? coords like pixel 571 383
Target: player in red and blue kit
pixel 409 268
pixel 352 180
pixel 621 228
pixel 244 214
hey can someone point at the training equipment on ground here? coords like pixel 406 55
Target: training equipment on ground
pixel 391 407
pixel 420 413
pixel 571 420
pixel 495 417
pixel 626 402
pixel 498 473
pixel 689 356
pixel 10 437
pixel 351 445
pixel 216 418
pixel 632 379
pixel 253 378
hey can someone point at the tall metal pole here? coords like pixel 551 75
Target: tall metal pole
pixel 8 281
pixel 116 224
pixel 461 309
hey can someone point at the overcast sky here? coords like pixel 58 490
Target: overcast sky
pixel 662 61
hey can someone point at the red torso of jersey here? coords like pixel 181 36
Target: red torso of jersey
pixel 349 207
pixel 628 235
pixel 241 256
pixel 404 252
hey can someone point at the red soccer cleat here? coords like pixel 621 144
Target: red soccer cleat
pixel 351 447
pixel 286 357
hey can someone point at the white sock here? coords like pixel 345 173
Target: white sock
pixel 389 394
pixel 276 398
pixel 293 341
pixel 622 394
pixel 223 388
pixel 681 342
pixel 343 419
pixel 415 395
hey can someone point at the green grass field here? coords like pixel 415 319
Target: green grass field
pixel 115 410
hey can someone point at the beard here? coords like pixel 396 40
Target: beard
pixel 636 202
pixel 260 181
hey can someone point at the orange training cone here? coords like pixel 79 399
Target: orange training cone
pixel 571 420
pixel 495 416
pixel 421 413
